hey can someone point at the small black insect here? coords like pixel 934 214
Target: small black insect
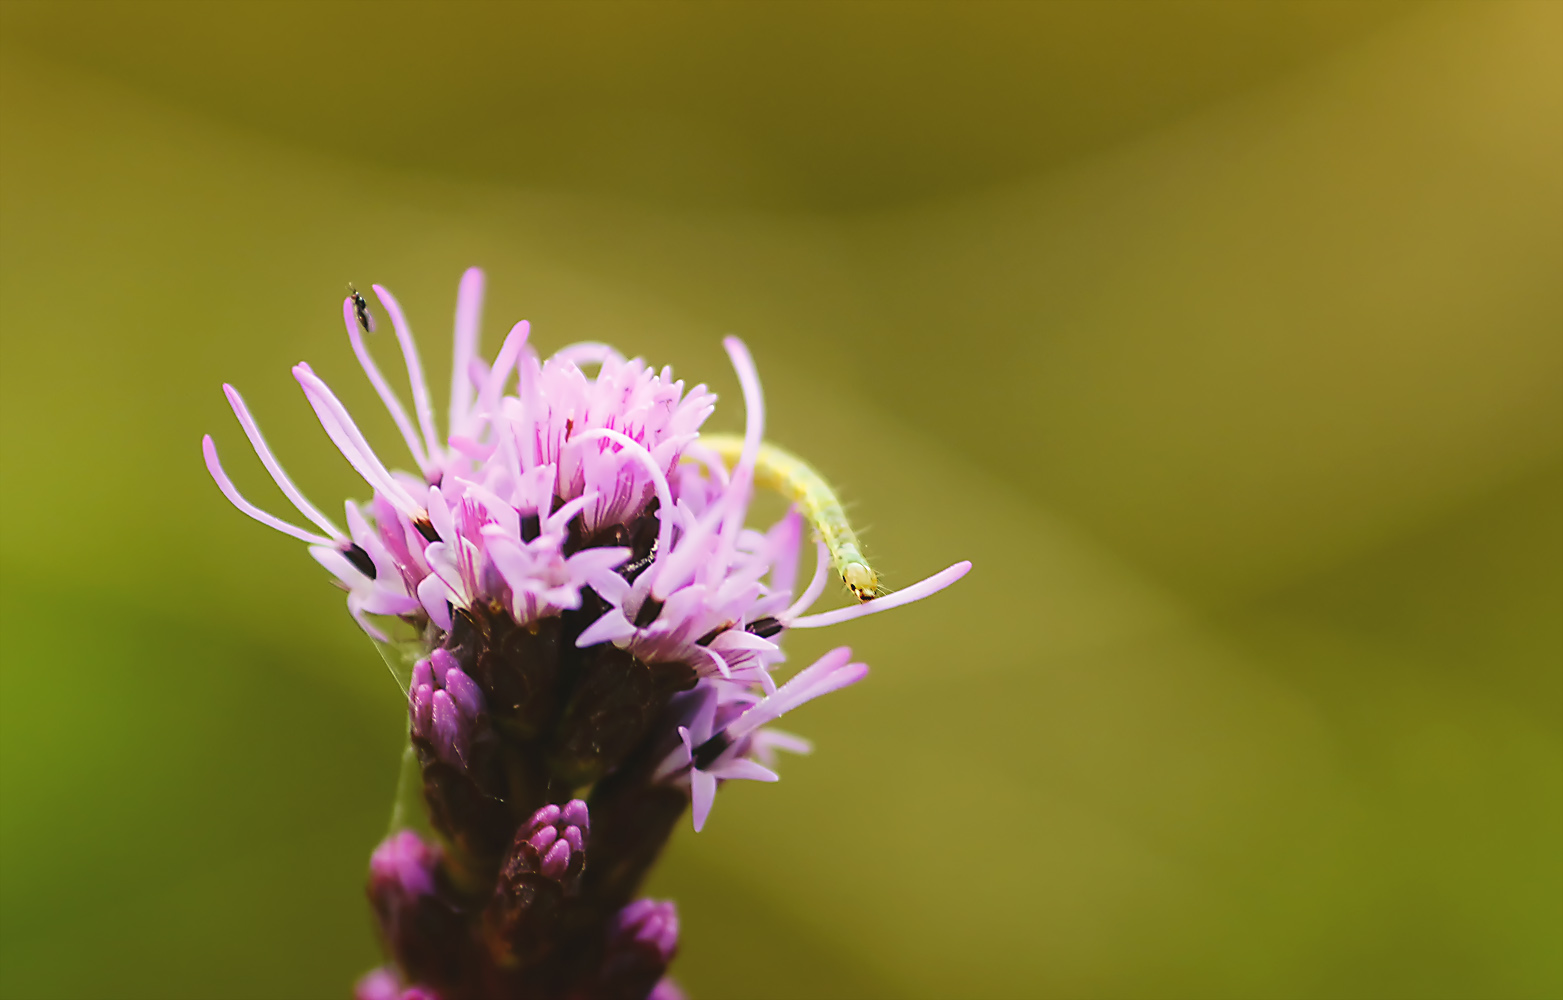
pixel 365 317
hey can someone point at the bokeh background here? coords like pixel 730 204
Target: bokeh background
pixel 1225 338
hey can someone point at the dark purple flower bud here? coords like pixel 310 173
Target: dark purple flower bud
pixel 643 939
pixel 445 705
pixel 423 929
pixel 541 870
pixel 648 924
pixel 553 842
pixel 403 865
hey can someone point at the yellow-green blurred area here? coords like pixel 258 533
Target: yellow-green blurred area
pixel 1226 339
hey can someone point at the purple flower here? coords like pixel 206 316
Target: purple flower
pixel 596 619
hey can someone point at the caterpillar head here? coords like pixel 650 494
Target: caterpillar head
pixel 861 580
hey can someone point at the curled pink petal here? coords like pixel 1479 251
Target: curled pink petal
pixel 816 585
pixel 916 592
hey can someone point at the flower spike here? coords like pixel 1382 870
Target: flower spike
pixel 593 631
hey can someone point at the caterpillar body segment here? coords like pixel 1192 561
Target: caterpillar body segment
pixel 780 470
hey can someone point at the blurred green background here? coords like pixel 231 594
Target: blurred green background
pixel 1225 338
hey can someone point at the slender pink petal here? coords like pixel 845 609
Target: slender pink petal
pixel 589 562
pixel 232 493
pixel 344 433
pixel 469 314
pixel 357 612
pixel 710 459
pixel 610 586
pixel 285 484
pixel 695 549
pixel 433 595
pixel 754 430
pixel 675 763
pixel 703 722
pixel 561 518
pixel 738 639
pixel 477 371
pixel 830 672
pixel 509 353
pixel 587 353
pixel 776 739
pixel 468 448
pixel 611 627
pixel 806 678
pixel 784 541
pixel 369 540
pixel 337 564
pixel 721 664
pixel 420 386
pixel 440 516
pixel 702 793
pixel 383 388
pixel 503 514
pixel 743 769
pixel 816 585
pixel 916 592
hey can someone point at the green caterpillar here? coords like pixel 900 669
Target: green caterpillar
pixel 792 477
